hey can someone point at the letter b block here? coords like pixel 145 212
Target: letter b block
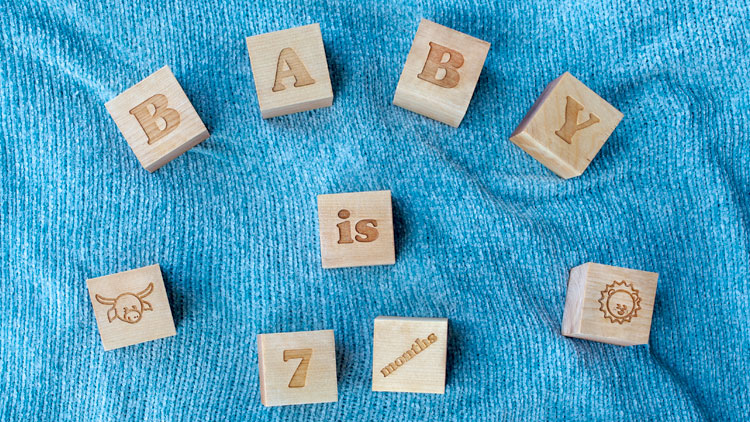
pixel 409 354
pixel 609 304
pixel 290 71
pixel 441 72
pixel 566 127
pixel 297 368
pixel 157 119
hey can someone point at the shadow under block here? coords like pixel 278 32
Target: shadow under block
pixel 609 304
pixel 290 71
pixel 131 307
pixel 441 72
pixel 409 354
pixel 566 127
pixel 356 229
pixel 157 119
pixel 297 368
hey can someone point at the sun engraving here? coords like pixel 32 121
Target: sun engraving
pixel 620 302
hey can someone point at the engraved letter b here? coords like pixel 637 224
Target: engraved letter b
pixel 435 62
pixel 147 120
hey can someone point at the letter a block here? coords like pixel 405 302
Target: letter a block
pixel 290 71
pixel 566 127
pixel 356 229
pixel 609 304
pixel 409 354
pixel 157 119
pixel 441 72
pixel 131 307
pixel 297 368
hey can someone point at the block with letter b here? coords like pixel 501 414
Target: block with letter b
pixel 356 229
pixel 156 118
pixel 290 71
pixel 441 72
pixel 609 304
pixel 409 354
pixel 297 368
pixel 566 127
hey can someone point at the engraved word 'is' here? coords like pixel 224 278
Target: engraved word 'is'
pixel 365 228
pixel 437 62
pixel 128 307
pixel 416 348
pixel 150 121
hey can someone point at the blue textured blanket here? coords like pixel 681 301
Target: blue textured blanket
pixel 485 235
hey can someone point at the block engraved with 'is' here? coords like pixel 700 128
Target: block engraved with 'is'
pixel 441 72
pixel 157 119
pixel 131 307
pixel 609 304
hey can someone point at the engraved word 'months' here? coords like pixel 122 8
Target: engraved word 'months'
pixel 128 307
pixel 571 126
pixel 148 120
pixel 295 68
pixel 419 346
pixel 366 229
pixel 435 63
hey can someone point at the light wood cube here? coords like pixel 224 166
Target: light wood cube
pixel 131 307
pixel 356 229
pixel 609 304
pixel 441 72
pixel 409 354
pixel 157 119
pixel 566 127
pixel 297 368
pixel 290 71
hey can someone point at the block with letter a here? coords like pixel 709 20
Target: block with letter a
pixel 566 127
pixel 156 118
pixel 290 71
pixel 441 72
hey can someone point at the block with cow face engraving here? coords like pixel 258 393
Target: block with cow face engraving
pixel 131 307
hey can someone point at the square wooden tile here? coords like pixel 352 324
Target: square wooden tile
pixel 131 307
pixel 356 229
pixel 609 304
pixel 441 72
pixel 290 71
pixel 409 354
pixel 297 368
pixel 566 127
pixel 157 119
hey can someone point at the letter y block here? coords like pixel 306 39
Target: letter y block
pixel 441 72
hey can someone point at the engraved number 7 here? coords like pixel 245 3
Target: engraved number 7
pixel 300 375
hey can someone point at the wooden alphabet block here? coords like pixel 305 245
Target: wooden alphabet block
pixel 441 72
pixel 409 354
pixel 131 307
pixel 290 71
pixel 566 127
pixel 609 304
pixel 356 229
pixel 157 119
pixel 297 368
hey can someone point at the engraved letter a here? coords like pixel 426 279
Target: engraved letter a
pixel 571 126
pixel 295 68
pixel 148 120
pixel 435 62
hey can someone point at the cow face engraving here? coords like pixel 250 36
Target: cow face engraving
pixel 127 307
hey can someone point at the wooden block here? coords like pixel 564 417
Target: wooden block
pixel 356 229
pixel 609 304
pixel 409 354
pixel 297 368
pixel 290 71
pixel 131 307
pixel 441 72
pixel 566 127
pixel 157 119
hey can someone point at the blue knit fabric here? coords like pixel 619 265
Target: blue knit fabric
pixel 485 235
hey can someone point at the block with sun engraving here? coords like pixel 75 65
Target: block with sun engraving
pixel 609 304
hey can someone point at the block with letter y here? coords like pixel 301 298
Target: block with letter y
pixel 156 118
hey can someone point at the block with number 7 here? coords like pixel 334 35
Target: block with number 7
pixel 297 368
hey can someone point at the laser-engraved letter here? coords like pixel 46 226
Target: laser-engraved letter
pixel 435 62
pixel 370 233
pixel 571 126
pixel 295 68
pixel 148 120
pixel 345 228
